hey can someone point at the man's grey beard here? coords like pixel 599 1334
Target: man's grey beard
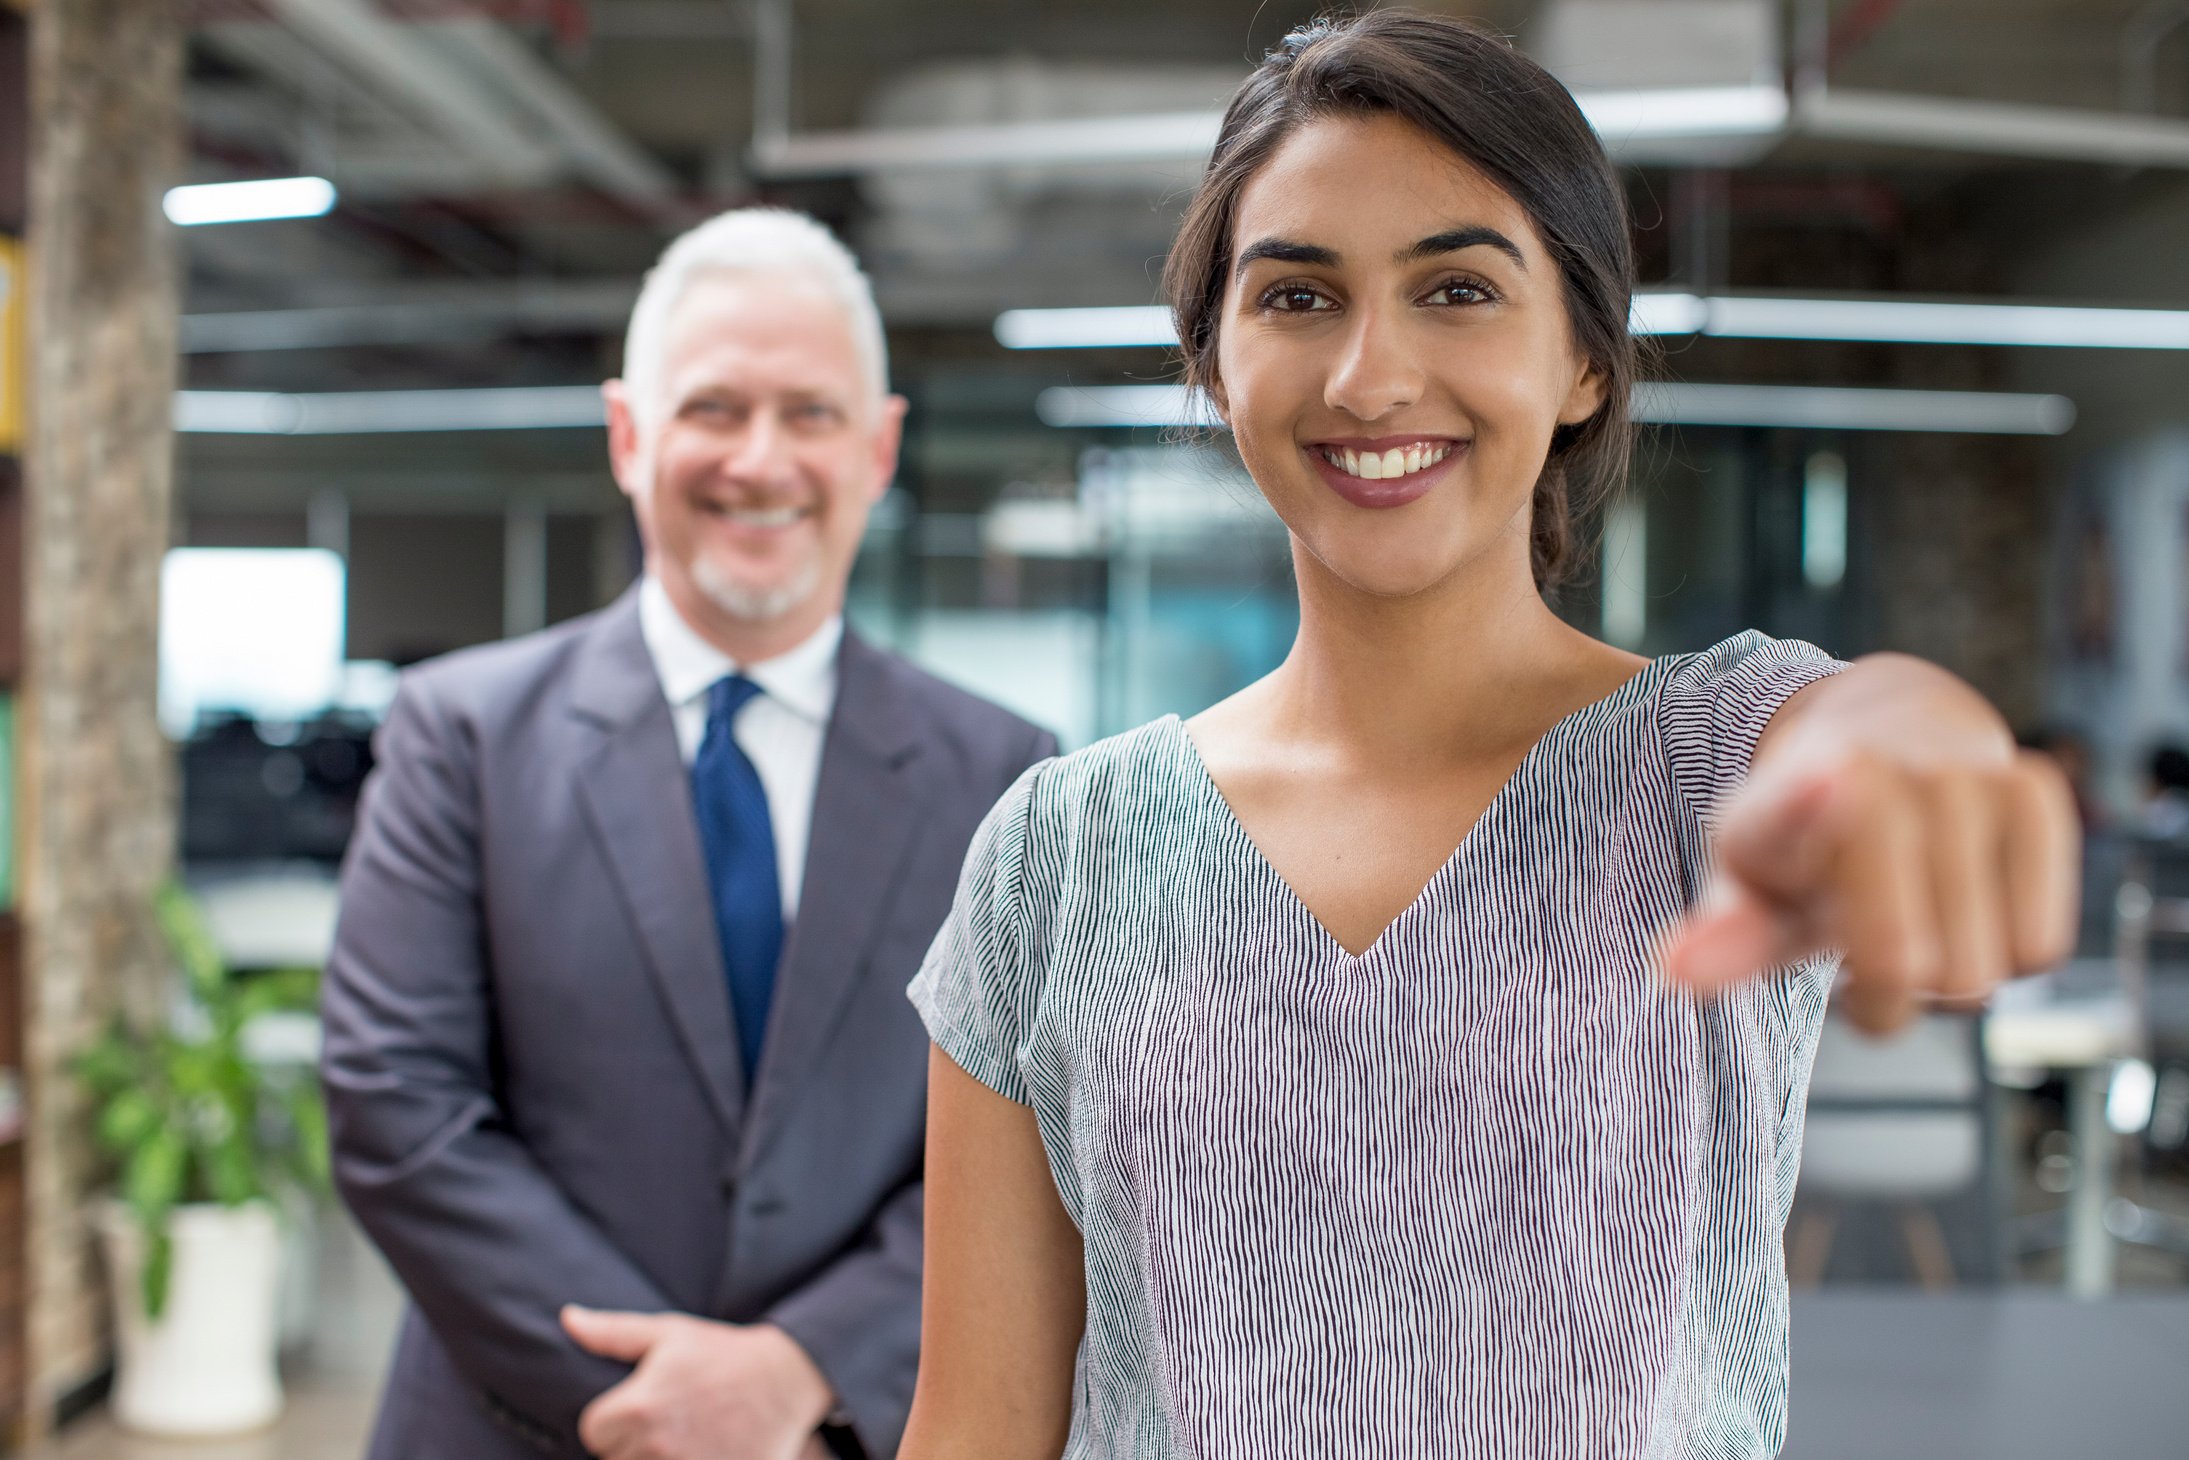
pixel 755 605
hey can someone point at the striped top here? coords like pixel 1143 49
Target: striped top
pixel 1490 1189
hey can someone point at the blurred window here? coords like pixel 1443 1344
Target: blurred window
pixel 256 631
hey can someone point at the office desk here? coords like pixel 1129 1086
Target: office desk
pixel 2011 1374
pixel 2079 1022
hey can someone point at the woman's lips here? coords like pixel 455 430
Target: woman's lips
pixel 1388 491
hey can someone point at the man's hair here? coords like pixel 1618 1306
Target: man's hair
pixel 773 243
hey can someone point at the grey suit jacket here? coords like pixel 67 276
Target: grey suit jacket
pixel 530 1068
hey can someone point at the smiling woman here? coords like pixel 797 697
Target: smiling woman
pixel 1463 95
pixel 1406 1055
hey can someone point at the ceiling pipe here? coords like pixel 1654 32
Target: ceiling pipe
pixel 1810 107
pixel 2146 30
pixel 426 81
pixel 596 151
pixel 436 314
pixel 467 81
pixel 1999 129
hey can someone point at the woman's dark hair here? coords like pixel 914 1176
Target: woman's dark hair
pixel 1471 91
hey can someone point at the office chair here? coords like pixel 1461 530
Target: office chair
pixel 2152 907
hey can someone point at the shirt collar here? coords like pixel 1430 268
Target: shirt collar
pixel 802 679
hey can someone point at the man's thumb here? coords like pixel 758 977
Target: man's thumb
pixel 622 1336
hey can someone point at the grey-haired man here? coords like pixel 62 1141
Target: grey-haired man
pixel 621 1072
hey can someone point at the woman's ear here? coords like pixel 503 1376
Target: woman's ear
pixel 1214 390
pixel 1586 397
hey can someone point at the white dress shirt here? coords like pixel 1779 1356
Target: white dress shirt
pixel 780 729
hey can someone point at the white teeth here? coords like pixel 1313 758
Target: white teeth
pixel 1376 466
pixel 765 517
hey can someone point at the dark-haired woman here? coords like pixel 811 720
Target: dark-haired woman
pixel 1378 1064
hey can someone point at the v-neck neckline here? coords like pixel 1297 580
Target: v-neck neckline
pixel 1266 868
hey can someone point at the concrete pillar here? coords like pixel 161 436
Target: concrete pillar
pixel 96 774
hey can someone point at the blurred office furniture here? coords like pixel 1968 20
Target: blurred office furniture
pixel 257 793
pixel 2002 1374
pixel 268 915
pixel 2079 1021
pixel 1899 1123
pixel 2152 918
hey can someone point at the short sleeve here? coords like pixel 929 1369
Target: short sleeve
pixel 1716 704
pixel 976 989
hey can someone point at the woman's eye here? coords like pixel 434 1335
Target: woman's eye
pixel 1460 291
pixel 1294 299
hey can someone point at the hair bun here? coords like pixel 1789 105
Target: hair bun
pixel 1300 37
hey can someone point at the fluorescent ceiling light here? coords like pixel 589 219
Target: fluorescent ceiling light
pixel 1150 324
pixel 1847 408
pixel 1893 321
pixel 1667 314
pixel 1073 329
pixel 1817 407
pixel 1685 111
pixel 1920 322
pixel 249 202
pixel 1123 405
pixel 337 413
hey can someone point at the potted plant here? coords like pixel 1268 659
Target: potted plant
pixel 208 1144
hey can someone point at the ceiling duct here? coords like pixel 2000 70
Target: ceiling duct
pixel 1712 62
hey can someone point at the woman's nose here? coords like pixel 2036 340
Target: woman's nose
pixel 1375 372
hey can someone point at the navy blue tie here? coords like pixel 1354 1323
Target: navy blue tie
pixel 739 840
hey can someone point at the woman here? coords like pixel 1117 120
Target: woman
pixel 1315 1077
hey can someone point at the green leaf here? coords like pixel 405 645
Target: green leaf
pixel 129 1119
pixel 152 1184
pixel 191 941
pixel 152 1180
pixel 113 1062
pixel 290 990
pixel 231 1173
pixel 159 1268
pixel 309 1114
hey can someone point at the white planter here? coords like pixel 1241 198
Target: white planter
pixel 206 1367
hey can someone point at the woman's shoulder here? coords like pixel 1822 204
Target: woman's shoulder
pixel 1714 704
pixel 1133 771
pixel 1749 654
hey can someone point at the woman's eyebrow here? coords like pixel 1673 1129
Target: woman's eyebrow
pixel 1286 250
pixel 1452 240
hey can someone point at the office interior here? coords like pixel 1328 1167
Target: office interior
pixel 1919 381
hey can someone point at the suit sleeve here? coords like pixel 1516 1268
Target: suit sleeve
pixel 487 1245
pixel 859 1320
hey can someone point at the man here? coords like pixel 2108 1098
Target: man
pixel 654 1186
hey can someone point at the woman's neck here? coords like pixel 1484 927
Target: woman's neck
pixel 1468 664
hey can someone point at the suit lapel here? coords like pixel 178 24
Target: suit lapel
pixel 866 809
pixel 638 800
